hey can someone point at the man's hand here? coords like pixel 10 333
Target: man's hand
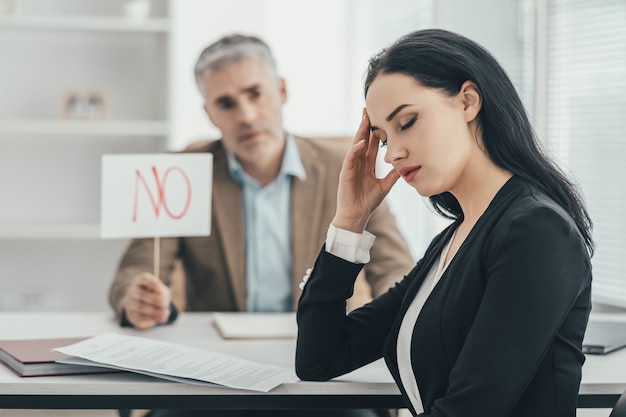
pixel 147 302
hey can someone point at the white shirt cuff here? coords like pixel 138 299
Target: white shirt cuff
pixel 349 246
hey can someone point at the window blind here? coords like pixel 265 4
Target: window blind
pixel 586 123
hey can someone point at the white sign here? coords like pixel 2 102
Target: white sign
pixel 156 195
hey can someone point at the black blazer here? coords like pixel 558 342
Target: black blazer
pixel 501 333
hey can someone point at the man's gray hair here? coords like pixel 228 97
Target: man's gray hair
pixel 232 48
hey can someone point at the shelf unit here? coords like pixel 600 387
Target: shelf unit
pixel 50 241
pixel 84 45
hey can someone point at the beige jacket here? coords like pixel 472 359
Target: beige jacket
pixel 214 266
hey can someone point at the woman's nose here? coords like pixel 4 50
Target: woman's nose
pixel 394 152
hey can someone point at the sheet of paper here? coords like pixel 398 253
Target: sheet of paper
pixel 73 360
pixel 256 326
pixel 174 360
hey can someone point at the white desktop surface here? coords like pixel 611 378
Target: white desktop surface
pixel 604 377
pixel 370 384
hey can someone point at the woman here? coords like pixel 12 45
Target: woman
pixel 491 319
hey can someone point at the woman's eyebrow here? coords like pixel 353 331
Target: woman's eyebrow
pixel 391 115
pixel 396 111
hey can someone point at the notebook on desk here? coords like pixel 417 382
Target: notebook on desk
pixel 35 357
pixel 604 336
pixel 234 325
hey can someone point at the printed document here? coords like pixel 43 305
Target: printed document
pixel 178 362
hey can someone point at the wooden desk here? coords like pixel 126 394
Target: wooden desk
pixel 604 377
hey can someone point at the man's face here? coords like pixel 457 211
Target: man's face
pixel 244 101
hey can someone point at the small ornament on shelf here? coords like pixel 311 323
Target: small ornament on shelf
pixel 8 7
pixel 91 105
pixel 136 10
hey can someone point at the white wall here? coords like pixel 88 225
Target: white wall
pixel 321 48
pixel 310 41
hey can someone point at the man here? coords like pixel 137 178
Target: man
pixel 273 196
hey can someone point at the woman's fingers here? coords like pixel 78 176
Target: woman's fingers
pixel 372 145
pixel 363 130
pixel 388 181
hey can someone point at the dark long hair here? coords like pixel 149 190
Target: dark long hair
pixel 444 60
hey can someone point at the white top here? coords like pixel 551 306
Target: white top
pixel 408 324
pixel 354 247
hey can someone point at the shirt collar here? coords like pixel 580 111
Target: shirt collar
pixel 291 164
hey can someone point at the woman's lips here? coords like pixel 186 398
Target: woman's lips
pixel 409 172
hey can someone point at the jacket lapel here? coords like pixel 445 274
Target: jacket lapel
pixel 419 275
pixel 307 201
pixel 228 216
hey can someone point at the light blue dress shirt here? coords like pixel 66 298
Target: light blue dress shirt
pixel 267 223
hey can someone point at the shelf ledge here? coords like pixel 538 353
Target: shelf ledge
pixel 68 231
pixel 86 127
pixel 87 23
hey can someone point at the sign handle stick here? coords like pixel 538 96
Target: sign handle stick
pixel 157 255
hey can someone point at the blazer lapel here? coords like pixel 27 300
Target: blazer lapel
pixel 419 275
pixel 228 215
pixel 307 201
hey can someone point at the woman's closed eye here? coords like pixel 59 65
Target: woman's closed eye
pixel 408 124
